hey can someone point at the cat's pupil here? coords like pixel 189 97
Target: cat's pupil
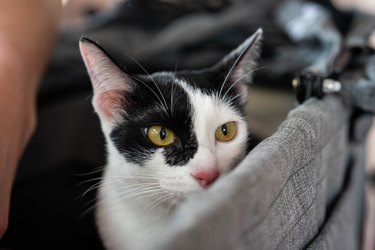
pixel 163 133
pixel 224 129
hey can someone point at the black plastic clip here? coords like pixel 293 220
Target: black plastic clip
pixel 309 85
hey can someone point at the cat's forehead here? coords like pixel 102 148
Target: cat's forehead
pixel 164 77
pixel 193 82
pixel 202 80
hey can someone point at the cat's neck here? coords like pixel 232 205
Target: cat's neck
pixel 140 216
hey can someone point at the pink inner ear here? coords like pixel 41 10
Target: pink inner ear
pixel 243 72
pixel 111 85
pixel 110 104
pixel 240 81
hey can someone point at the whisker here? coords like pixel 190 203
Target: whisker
pixel 234 97
pixel 92 172
pixel 119 178
pixel 137 177
pixel 149 194
pixel 247 73
pixel 149 88
pixel 143 190
pixel 89 180
pixel 137 187
pixel 172 99
pixel 116 179
pixel 93 187
pixel 155 203
pixel 134 60
pixel 87 211
pixel 231 69
pixel 172 204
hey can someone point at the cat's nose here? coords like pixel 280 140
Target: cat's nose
pixel 205 177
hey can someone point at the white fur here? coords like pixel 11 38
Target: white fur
pixel 130 221
pixel 135 202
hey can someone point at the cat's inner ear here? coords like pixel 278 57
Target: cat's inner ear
pixel 110 84
pixel 238 66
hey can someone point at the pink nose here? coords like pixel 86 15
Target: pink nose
pixel 206 177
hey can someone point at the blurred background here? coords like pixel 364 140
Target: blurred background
pixel 76 11
pixel 76 14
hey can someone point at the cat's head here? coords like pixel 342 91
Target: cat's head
pixel 178 130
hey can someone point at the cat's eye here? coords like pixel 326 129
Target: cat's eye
pixel 160 136
pixel 226 132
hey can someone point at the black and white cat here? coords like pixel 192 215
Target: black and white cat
pixel 168 135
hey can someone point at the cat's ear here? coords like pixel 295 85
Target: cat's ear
pixel 238 66
pixel 111 84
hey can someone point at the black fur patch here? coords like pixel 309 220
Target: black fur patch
pixel 211 82
pixel 170 108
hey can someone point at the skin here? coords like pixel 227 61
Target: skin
pixel 27 32
pixel 366 6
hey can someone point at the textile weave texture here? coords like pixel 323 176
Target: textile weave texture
pixel 300 188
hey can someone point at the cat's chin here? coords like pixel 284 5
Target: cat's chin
pixel 178 197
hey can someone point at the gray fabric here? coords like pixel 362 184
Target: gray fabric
pixel 278 197
pixel 343 229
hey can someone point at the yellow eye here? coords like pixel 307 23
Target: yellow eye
pixel 160 136
pixel 226 132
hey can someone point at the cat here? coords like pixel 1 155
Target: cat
pixel 168 135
